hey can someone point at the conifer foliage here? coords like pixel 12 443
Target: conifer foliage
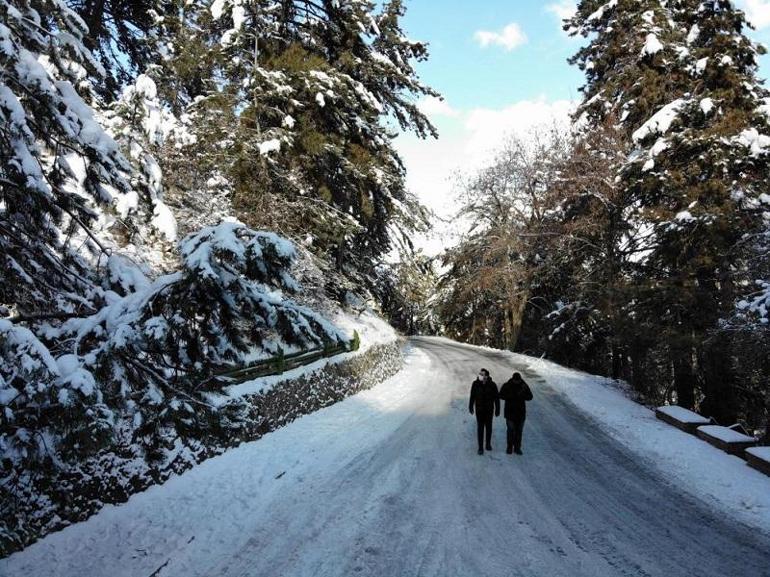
pixel 298 113
pixel 58 162
pixel 695 175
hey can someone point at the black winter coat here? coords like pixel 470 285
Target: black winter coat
pixel 515 393
pixel 484 397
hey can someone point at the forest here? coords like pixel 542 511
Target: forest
pixel 185 186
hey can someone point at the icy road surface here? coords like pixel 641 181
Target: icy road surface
pixel 388 483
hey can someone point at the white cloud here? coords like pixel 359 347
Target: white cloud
pixel 758 12
pixel 488 128
pixel 509 37
pixel 433 107
pixel 563 9
pixel 466 142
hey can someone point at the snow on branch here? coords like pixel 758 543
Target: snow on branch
pixel 226 304
pixel 144 355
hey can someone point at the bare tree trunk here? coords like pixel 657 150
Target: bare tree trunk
pixel 517 317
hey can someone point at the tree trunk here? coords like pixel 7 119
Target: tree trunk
pixel 518 305
pixel 617 361
pixel 719 402
pixel 638 374
pixel 684 377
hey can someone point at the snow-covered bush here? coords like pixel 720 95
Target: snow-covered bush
pixel 146 357
pixel 50 407
pixel 155 348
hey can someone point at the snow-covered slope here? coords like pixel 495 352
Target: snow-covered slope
pixel 720 479
pixel 371 329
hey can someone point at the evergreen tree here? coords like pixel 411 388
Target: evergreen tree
pixel 155 349
pixel 682 78
pixel 750 328
pixel 297 109
pixel 60 168
pixel 93 343
pixel 122 37
pixel 60 174
pixel 145 129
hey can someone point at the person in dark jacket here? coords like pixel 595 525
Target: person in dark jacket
pixel 516 393
pixel 484 400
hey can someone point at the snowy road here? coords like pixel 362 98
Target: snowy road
pixel 388 483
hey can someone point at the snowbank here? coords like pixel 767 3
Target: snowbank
pixel 725 434
pixel 761 452
pixel 683 415
pixel 699 468
pixel 371 329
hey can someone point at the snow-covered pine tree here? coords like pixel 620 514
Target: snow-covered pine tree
pixel 682 78
pixel 297 115
pixel 58 162
pixel 153 350
pixel 87 341
pixel 700 183
pixel 627 64
pixel 627 60
pixel 60 171
pixel 122 36
pixel 128 390
pixel 147 130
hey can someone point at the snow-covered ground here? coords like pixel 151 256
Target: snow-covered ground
pixel 705 471
pixel 371 328
pixel 387 482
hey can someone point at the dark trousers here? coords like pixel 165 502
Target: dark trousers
pixel 515 430
pixel 484 424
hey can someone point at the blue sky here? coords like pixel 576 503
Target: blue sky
pixel 471 75
pixel 501 66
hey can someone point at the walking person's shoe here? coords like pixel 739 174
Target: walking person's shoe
pixel 518 451
pixel 489 447
pixel 481 451
pixel 509 450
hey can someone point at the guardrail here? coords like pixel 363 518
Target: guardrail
pixel 281 363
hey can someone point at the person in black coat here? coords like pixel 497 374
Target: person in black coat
pixel 484 400
pixel 516 393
